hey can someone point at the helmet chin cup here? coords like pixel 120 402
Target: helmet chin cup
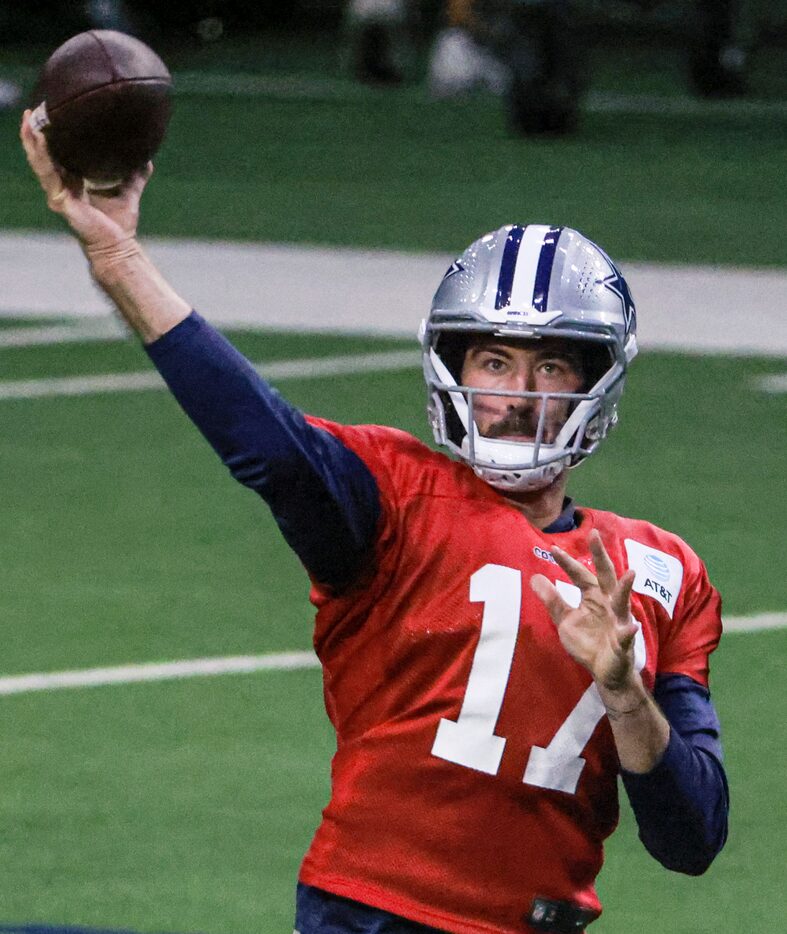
pixel 525 480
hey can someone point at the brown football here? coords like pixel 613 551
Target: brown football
pixel 104 104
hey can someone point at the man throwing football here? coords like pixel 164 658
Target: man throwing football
pixel 494 655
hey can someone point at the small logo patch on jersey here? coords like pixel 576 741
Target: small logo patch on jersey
pixel 543 554
pixel 657 567
pixel 659 575
pixel 546 555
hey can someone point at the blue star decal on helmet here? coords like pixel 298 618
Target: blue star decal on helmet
pixel 617 284
pixel 455 267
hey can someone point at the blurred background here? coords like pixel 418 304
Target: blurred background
pixel 404 100
pixel 324 163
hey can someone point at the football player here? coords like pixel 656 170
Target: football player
pixel 494 655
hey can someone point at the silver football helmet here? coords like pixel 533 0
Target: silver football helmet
pixel 529 282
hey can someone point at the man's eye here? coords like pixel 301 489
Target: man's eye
pixel 552 367
pixel 495 364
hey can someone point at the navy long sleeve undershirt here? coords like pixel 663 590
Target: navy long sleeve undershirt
pixel 326 503
pixel 322 495
pixel 681 805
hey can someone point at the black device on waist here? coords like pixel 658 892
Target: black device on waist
pixel 558 917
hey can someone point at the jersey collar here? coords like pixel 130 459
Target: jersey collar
pixel 566 521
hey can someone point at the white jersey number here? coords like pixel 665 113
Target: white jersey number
pixel 470 740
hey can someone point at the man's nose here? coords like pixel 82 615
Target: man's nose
pixel 523 380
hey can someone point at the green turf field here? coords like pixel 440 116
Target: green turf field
pixel 186 806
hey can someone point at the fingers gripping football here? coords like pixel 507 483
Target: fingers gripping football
pixel 599 633
pixel 101 222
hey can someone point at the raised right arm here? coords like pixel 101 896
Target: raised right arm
pixel 323 497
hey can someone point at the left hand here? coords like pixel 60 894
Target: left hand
pixel 599 633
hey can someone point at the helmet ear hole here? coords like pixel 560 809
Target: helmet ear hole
pixel 452 348
pixel 597 360
pixel 453 424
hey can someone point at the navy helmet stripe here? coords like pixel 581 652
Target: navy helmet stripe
pixel 505 281
pixel 544 268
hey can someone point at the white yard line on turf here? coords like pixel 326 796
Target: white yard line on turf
pixel 244 664
pixel 307 368
pixel 157 671
pixel 774 383
pixel 98 329
pixel 301 288
pixel 755 623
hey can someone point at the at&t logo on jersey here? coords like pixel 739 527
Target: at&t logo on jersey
pixel 659 575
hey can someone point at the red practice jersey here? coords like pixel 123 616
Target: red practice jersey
pixel 475 769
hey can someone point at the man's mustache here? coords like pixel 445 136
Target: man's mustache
pixel 522 421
